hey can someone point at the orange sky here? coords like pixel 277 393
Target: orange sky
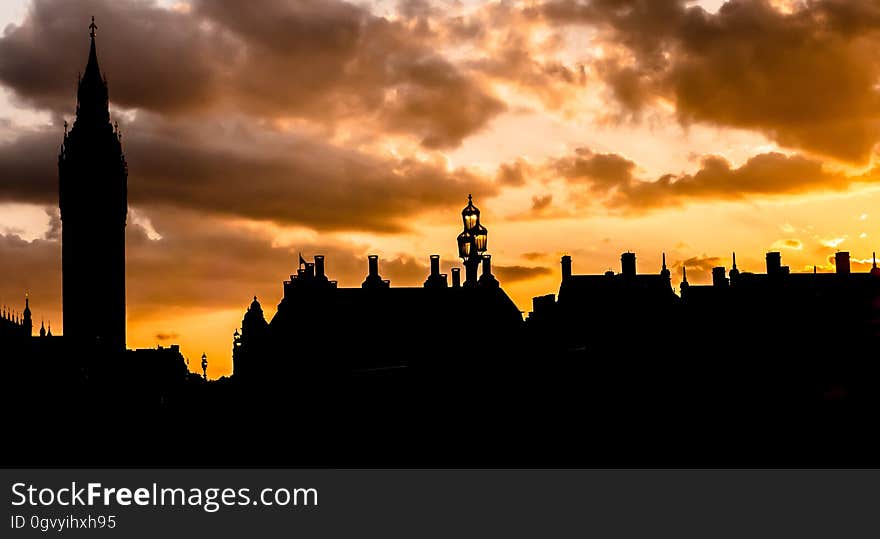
pixel 582 127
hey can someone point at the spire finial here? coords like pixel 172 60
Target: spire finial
pixel 255 298
pixel 874 254
pixel 470 199
pixel 734 260
pixel 664 260
pixel 684 274
pixel 92 28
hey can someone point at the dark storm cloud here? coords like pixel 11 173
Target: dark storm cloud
pixel 325 61
pixel 153 58
pixel 271 176
pixel 807 79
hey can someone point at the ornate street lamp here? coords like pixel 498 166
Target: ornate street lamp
pixel 481 238
pixel 470 215
pixel 472 241
pixel 205 366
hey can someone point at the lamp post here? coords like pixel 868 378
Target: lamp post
pixel 205 366
pixel 472 242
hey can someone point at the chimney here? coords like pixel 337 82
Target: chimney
pixel 487 265
pixel 841 262
pixel 628 264
pixel 719 278
pixel 774 263
pixel 374 265
pixel 435 265
pixel 566 267
pixel 456 277
pixel 310 269
pixel 319 266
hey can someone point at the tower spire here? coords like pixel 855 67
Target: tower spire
pixel 92 97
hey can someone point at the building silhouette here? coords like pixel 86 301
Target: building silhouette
pixel 16 326
pixel 593 311
pixel 93 198
pixel 386 330
pixel 613 368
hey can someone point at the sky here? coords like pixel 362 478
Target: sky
pixel 258 130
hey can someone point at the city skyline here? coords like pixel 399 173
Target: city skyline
pixel 193 268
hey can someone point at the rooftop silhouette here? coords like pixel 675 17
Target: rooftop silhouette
pixel 448 372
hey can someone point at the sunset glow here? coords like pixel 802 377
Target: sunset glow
pixel 347 129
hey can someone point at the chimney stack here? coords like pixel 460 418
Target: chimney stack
pixel 628 264
pixel 841 262
pixel 774 263
pixel 456 277
pixel 487 265
pixel 719 278
pixel 373 261
pixel 319 266
pixel 566 267
pixel 435 265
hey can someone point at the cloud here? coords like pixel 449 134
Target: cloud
pixel 789 243
pixel 534 255
pixel 203 264
pixel 511 274
pixel 507 46
pixel 253 172
pixel 513 174
pixel 541 202
pixel 699 268
pixel 602 171
pixel 324 61
pixel 806 78
pixel 767 174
